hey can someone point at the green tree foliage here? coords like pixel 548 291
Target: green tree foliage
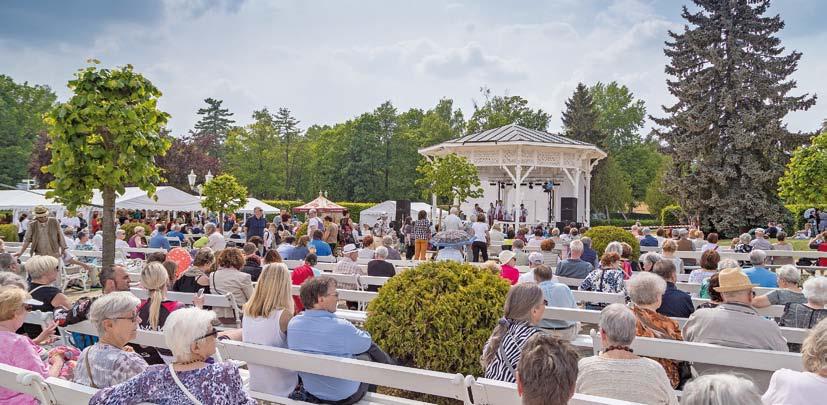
pixel 254 156
pixel 610 187
pixel 672 215
pixel 498 111
pixel 438 316
pixel 214 124
pixel 620 115
pixel 21 120
pixel 291 142
pixel 603 235
pixel 805 180
pixel 656 195
pixel 580 118
pixel 729 145
pixel 640 161
pixel 184 155
pixel 107 135
pixel 223 194
pixel 449 177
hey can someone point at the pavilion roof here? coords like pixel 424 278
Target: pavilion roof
pixel 517 133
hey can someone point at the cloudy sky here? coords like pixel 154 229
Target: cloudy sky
pixel 329 61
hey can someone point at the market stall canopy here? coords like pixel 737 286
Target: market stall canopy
pixel 20 200
pixel 168 199
pixel 371 215
pixel 320 204
pixel 255 202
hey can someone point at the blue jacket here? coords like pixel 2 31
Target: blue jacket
pixel 649 240
pixel 159 241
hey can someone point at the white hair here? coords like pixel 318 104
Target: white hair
pixel 789 273
pixel 454 210
pixel 745 238
pixel 183 327
pixel 614 247
pixel 576 246
pixel 728 264
pixel 619 324
pixel 645 288
pixel 815 290
pixel 110 306
pixel 757 257
pixel 387 240
pixel 8 278
pixel 209 227
pixel 650 257
pixel 720 389
pixel 120 232
pixel 381 252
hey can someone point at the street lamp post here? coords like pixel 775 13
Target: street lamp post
pixel 192 177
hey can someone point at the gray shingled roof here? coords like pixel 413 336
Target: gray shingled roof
pixel 516 133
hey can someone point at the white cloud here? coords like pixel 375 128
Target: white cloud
pixel 471 59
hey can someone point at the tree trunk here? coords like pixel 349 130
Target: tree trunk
pixel 108 227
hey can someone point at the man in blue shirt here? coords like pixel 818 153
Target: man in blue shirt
pixel 675 303
pixel 322 248
pixel 286 247
pixel 648 239
pixel 255 224
pixel 573 267
pixel 556 295
pixel 160 239
pixel 175 232
pixel 317 330
pixel 758 274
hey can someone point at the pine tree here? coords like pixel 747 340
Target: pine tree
pixel 213 125
pixel 725 133
pixel 288 130
pixel 580 117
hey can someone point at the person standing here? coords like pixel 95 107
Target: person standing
pixel 313 222
pixel 492 212
pixel 255 224
pixel 22 226
pixel 43 235
pixel 421 235
pixel 331 233
pixel 481 239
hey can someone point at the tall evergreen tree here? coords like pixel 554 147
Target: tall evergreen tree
pixel 580 117
pixel 213 126
pixel 725 133
pixel 289 132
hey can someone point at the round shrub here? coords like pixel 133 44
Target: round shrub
pixel 129 228
pixel 8 232
pixel 438 316
pixel 671 215
pixel 302 230
pixel 603 235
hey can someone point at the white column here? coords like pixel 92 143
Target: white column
pixel 588 200
pixel 433 207
pixel 518 174
pixel 577 193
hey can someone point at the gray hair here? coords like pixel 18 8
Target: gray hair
pixel 646 231
pixel 619 324
pixel 757 257
pixel 110 306
pixel 650 257
pixel 728 264
pixel 6 261
pixel 815 290
pixel 120 232
pixel 381 252
pixel 185 327
pixel 645 288
pixel 209 227
pixel 387 240
pixel 720 389
pixel 454 210
pixel 789 273
pixel 8 278
pixel 614 247
pixel 745 238
pixel 576 246
pixel 587 241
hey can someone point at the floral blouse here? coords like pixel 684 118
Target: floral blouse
pixel 654 325
pixel 215 384
pixel 612 281
pixel 108 365
pixel 19 351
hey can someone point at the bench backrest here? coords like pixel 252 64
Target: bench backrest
pixel 494 392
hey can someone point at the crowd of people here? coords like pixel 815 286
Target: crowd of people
pixel 524 348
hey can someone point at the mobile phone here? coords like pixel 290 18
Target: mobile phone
pixel 200 293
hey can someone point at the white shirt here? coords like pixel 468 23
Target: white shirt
pixel 23 226
pixel 121 244
pixel 790 387
pixel 452 223
pixel 480 229
pixel 267 332
pixel 534 242
pixel 216 242
pixel 97 240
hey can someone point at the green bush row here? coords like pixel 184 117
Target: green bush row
pixel 8 232
pixel 353 207
pixel 625 222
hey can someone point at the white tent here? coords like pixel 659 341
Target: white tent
pixel 168 199
pixel 255 202
pixel 371 215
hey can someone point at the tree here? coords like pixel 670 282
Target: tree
pixel 639 161
pixel 805 180
pixel 656 196
pixel 725 133
pixel 184 155
pixel 288 131
pixel 21 119
pixel 41 157
pixel 504 110
pixel 580 118
pixel 386 120
pixel 106 135
pixel 610 187
pixel 223 194
pixel 252 156
pixel 214 125
pixel 619 115
pixel 451 177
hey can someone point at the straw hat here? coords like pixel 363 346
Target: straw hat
pixel 40 211
pixel 506 256
pixel 733 279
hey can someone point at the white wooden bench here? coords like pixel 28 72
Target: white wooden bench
pixel 211 300
pixel 494 392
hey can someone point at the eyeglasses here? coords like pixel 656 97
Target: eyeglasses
pixel 336 294
pixel 132 318
pixel 213 333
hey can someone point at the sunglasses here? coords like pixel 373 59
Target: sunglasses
pixel 213 333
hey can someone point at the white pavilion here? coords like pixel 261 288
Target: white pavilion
pixel 514 164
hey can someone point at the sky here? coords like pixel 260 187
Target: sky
pixel 329 61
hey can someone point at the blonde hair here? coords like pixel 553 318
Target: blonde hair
pixel 11 301
pixel 272 292
pixel 39 266
pixel 491 265
pixel 669 245
pixel 814 348
pixel 154 278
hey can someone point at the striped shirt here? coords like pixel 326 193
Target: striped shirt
pixel 421 229
pixel 512 344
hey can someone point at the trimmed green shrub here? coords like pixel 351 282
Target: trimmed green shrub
pixel 355 208
pixel 302 230
pixel 8 232
pixel 129 228
pixel 671 215
pixel 438 316
pixel 603 235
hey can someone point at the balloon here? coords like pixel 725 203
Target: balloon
pixel 182 258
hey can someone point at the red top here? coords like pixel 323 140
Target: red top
pixel 510 273
pixel 822 247
pixel 300 274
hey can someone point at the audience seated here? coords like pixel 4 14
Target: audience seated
pixel 608 278
pixel 319 331
pixel 252 262
pixel 159 238
pixel 393 253
pixel 709 266
pixel 550 256
pixel 676 303
pixel 523 310
pixel 265 321
pixel 759 274
pixel 110 361
pixel 787 292
pixel 668 253
pixel 629 266
pixel 520 257
pixel 322 248
pixel 782 245
pixel 720 389
pixel 711 242
pixel 43 271
pixel 617 372
pixel 229 279
pixel 379 267
pixel 153 312
pixel 534 259
pixel 19 350
pixel 556 295
pixel 574 266
pixel 300 251
pixel 299 276
pixel 760 242
pixel 713 296
pixel 803 388
pixel 545 359
pixel 347 264
pixel 648 239
pixel 272 256
pixel 286 247
pixel 806 315
pixel 589 255
pixel 191 337
pixel 648 260
pixel 367 252
pixel 195 278
pixel 646 291
pixel 11 279
pixel 507 269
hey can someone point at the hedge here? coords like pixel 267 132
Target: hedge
pixel 671 215
pixel 603 235
pixel 129 228
pixel 625 222
pixel 438 316
pixel 284 205
pixel 8 232
pixel 353 207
